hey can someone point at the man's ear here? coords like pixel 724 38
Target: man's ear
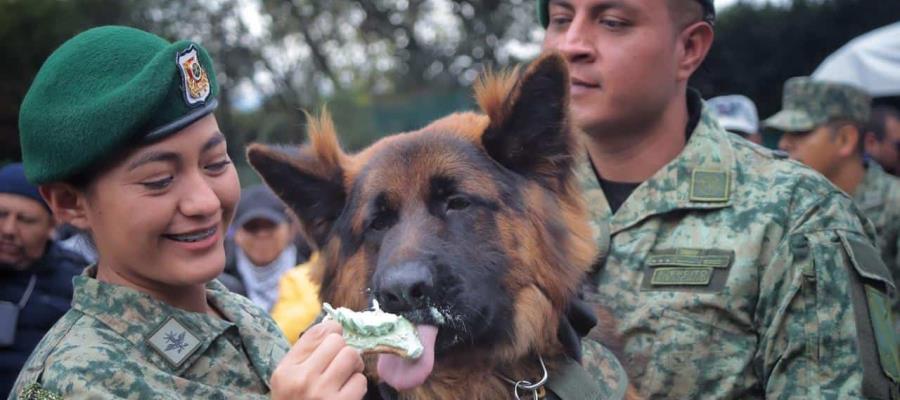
pixel 848 137
pixel 529 130
pixel 694 43
pixel 67 204
pixel 310 181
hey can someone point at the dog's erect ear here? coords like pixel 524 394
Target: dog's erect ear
pixel 529 131
pixel 309 182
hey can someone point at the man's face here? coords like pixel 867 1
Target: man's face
pixel 25 228
pixel 887 151
pixel 817 148
pixel 263 240
pixel 622 58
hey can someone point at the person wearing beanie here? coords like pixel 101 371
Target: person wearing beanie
pixel 118 132
pixel 822 125
pixel 35 273
pixel 730 271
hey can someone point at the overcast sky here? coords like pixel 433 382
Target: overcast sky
pixel 720 4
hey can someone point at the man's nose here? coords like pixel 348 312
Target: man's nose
pixel 574 44
pixel 8 224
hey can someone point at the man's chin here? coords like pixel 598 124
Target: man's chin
pixel 12 266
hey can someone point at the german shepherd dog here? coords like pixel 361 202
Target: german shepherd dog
pixel 473 228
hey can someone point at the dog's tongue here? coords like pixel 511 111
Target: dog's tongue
pixel 404 374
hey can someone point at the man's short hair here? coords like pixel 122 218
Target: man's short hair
pixel 686 12
pixel 878 120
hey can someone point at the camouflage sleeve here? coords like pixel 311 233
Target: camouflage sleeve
pixel 824 330
pixel 605 369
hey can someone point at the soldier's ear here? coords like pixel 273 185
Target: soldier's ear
pixel 847 137
pixel 68 204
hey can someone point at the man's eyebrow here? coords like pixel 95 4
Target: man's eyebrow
pixel 596 7
pixel 561 3
pixel 153 156
pixel 213 142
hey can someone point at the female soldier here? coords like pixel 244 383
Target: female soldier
pixel 118 131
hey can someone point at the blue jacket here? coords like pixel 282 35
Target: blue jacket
pixel 51 298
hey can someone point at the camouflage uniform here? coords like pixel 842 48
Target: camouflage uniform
pixel 878 196
pixel 735 274
pixel 808 104
pixel 116 342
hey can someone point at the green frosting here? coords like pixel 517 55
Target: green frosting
pixel 369 329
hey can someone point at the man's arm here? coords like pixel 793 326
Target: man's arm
pixel 822 327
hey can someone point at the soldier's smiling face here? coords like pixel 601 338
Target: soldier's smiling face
pixel 624 58
pixel 158 216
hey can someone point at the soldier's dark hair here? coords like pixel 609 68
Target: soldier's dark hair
pixel 685 12
pixel 878 120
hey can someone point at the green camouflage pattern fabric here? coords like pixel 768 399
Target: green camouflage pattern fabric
pixel 100 349
pixel 729 276
pixel 806 104
pixel 599 376
pixel 878 196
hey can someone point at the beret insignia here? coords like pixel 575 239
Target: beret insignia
pixel 194 80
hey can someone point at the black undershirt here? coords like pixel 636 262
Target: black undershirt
pixel 617 192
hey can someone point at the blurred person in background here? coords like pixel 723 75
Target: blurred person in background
pixel 823 125
pixel 264 247
pixel 882 138
pixel 298 302
pixel 737 114
pixel 35 273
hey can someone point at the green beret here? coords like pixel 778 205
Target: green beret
pixel 108 88
pixel 808 104
pixel 709 11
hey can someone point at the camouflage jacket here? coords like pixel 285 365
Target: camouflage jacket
pixel 879 198
pixel 734 273
pixel 117 342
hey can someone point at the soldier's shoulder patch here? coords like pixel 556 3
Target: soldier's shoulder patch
pixel 35 391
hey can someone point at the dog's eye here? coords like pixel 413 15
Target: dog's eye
pixel 381 222
pixel 457 203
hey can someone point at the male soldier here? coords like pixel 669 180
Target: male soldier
pixel 732 273
pixel 822 125
pixel 882 138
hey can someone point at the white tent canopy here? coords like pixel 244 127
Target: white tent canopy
pixel 870 61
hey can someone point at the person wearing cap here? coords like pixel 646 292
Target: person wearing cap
pixel 35 273
pixel 731 272
pixel 822 125
pixel 118 131
pixel 263 248
pixel 882 138
pixel 737 114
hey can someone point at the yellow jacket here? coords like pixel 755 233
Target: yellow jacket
pixel 298 301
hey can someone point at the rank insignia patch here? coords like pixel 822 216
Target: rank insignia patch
pixel 174 342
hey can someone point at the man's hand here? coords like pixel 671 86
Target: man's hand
pixel 320 366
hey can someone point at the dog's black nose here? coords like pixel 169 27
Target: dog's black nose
pixel 404 287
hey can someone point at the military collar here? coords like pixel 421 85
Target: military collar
pixel 871 192
pixel 701 177
pixel 171 337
